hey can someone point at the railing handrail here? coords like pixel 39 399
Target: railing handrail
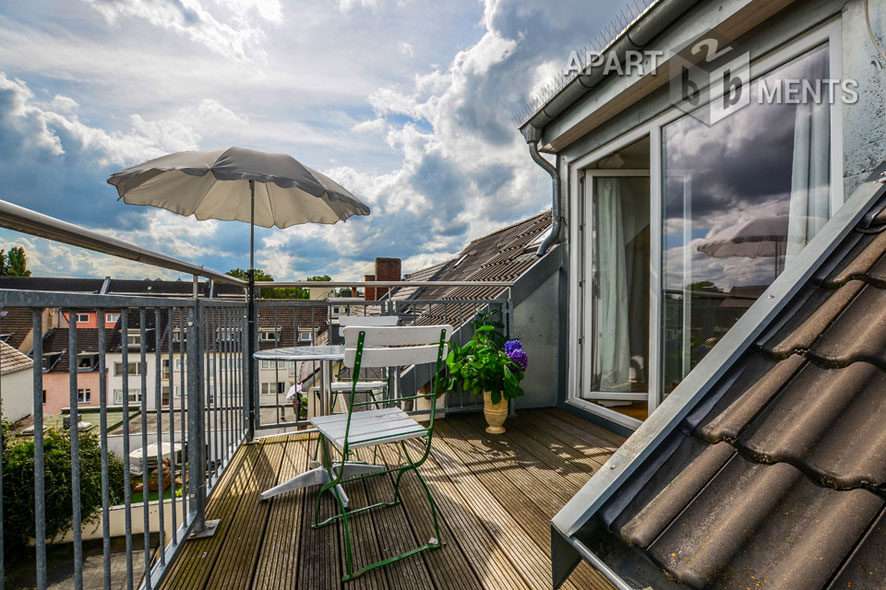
pixel 28 221
pixel 370 284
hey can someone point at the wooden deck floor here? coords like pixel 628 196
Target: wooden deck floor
pixel 495 495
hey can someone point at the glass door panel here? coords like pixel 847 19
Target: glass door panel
pixel 617 302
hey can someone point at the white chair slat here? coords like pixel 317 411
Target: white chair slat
pixel 397 335
pixel 366 320
pixel 369 428
pixel 394 357
pixel 345 386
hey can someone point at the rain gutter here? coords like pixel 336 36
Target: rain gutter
pixel 656 18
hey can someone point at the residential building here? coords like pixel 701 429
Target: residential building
pixel 16 383
pixel 506 255
pixel 56 369
pixel 724 234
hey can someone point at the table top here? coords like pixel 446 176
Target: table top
pixel 323 352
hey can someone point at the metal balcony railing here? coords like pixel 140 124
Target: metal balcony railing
pixel 174 403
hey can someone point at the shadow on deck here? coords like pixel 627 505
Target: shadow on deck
pixel 495 495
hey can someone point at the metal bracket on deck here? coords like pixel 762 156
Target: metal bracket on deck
pixel 208 530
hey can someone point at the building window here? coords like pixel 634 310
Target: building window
pixel 86 362
pixel 305 335
pixel 82 318
pixel 44 397
pixel 83 396
pixel 227 335
pixel 111 318
pixel 177 335
pixel 133 339
pixel 273 388
pixel 269 335
pixel 135 396
pixel 133 368
pixel 49 360
pixel 740 199
pixel 164 368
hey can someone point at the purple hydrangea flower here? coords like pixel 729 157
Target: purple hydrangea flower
pixel 512 345
pixel 518 355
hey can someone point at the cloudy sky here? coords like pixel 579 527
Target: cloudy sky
pixel 408 103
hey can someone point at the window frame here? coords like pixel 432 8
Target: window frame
pixel 828 33
pixel 84 395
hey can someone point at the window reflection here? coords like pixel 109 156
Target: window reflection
pixel 741 198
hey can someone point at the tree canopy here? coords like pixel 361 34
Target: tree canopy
pixel 14 263
pixel 277 292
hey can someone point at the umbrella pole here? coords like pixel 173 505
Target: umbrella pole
pixel 250 427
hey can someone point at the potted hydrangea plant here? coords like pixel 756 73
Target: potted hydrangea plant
pixel 488 365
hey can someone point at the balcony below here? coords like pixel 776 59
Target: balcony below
pixel 495 495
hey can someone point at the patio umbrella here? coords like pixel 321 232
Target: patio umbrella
pixel 221 184
pixel 761 237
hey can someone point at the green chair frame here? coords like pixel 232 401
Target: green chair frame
pixel 373 347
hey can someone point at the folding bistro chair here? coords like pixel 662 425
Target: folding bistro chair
pixel 369 346
pixel 370 385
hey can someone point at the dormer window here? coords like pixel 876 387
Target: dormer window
pixel 82 318
pixel 86 362
pixel 133 339
pixel 269 334
pixel 50 359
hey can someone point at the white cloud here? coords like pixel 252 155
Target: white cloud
pixel 190 19
pixel 406 49
pixel 430 148
pixel 346 6
pixel 376 125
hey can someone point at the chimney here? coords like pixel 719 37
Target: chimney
pixel 386 269
pixel 368 292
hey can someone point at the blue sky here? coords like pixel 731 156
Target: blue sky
pixel 407 103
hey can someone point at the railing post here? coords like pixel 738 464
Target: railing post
pixel 196 420
pixel 251 374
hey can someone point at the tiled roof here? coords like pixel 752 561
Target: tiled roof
pixel 52 284
pixel 778 480
pixel 17 323
pixel 56 341
pixel 306 317
pixel 12 361
pixel 157 288
pixel 503 255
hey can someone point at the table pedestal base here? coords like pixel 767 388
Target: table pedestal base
pixel 320 476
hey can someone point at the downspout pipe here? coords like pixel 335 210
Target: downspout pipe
pixel 532 139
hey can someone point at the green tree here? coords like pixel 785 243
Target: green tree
pixel 18 486
pixel 277 292
pixel 14 263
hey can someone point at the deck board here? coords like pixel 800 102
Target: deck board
pixel 495 497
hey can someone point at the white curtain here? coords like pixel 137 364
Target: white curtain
pixel 810 175
pixel 613 337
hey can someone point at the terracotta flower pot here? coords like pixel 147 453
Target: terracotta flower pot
pixel 495 414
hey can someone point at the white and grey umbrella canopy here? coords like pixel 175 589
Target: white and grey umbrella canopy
pixel 759 237
pixel 215 185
